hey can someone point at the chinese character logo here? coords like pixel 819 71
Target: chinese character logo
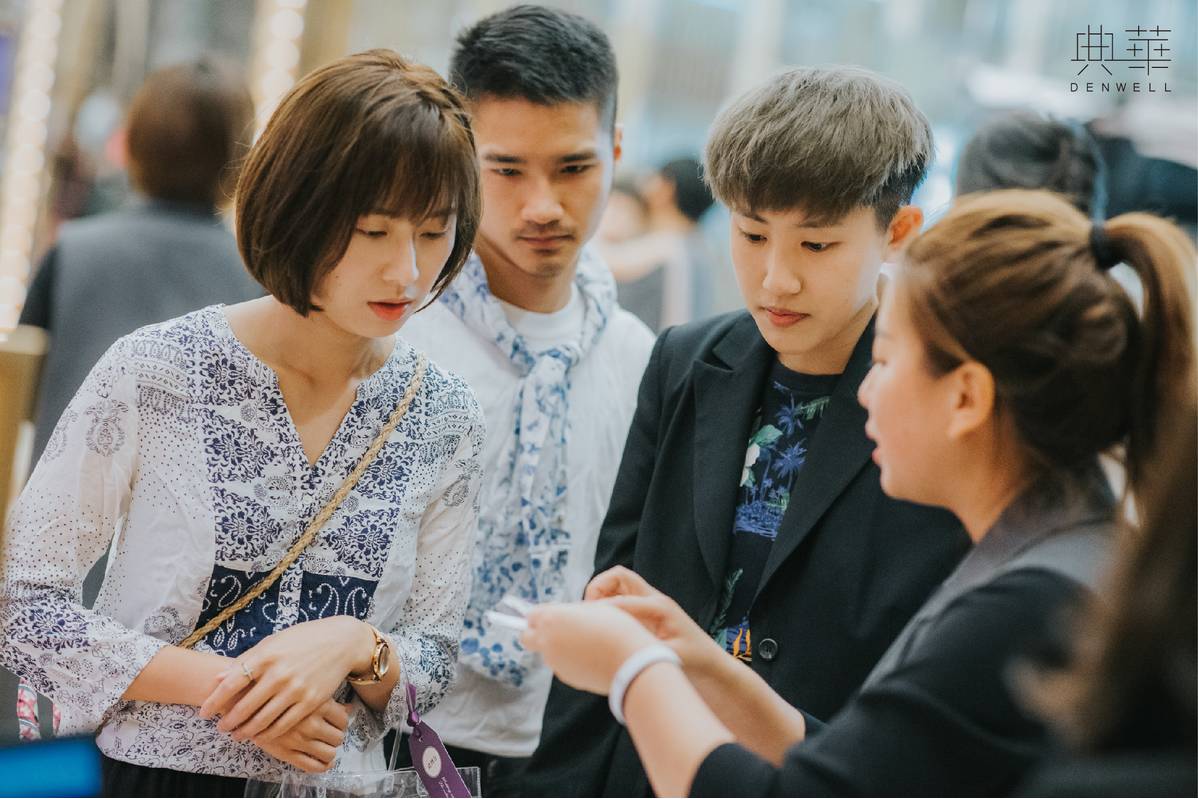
pixel 1147 49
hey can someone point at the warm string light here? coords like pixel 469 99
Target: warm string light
pixel 25 154
pixel 277 54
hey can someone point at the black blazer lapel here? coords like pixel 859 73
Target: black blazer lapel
pixel 727 395
pixel 838 453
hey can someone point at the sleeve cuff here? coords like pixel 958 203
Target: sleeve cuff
pixel 368 726
pixel 732 770
pixel 813 725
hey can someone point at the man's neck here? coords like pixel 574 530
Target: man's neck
pixel 510 283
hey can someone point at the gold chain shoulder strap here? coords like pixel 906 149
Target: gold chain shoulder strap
pixel 325 513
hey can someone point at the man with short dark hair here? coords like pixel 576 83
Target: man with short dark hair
pixel 746 491
pixel 533 325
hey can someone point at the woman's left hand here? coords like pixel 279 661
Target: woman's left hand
pixel 290 674
pixel 585 643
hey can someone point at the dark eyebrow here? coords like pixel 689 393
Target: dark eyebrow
pixel 751 215
pixel 582 155
pixel 503 159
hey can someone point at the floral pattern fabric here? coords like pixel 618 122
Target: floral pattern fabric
pixel 179 443
pixel 791 408
pixel 524 543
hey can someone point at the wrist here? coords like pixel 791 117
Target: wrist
pixel 628 645
pixel 632 668
pixel 358 646
pixel 708 663
pixel 712 668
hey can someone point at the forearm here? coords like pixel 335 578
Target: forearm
pixel 761 720
pixel 177 676
pixel 672 728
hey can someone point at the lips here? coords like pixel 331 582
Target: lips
pixel 545 242
pixel 784 318
pixel 390 311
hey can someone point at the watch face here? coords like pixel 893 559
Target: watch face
pixel 384 654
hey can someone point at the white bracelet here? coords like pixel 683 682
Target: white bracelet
pixel 637 662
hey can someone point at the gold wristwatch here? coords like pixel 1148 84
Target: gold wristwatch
pixel 380 661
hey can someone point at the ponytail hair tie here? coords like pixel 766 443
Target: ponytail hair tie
pixel 1100 247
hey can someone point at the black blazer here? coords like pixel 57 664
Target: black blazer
pixel 848 568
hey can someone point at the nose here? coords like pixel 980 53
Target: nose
pixel 781 275
pixel 401 268
pixel 864 388
pixel 542 206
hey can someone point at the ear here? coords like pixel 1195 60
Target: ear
pixel 904 227
pixel 617 143
pixel 971 397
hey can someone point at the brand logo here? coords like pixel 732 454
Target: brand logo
pixel 1139 51
pixel 432 762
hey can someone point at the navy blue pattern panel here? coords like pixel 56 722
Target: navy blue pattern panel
pixel 250 624
pixel 322 596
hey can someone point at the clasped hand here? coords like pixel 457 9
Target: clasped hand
pixel 279 694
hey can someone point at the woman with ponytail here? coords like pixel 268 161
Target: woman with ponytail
pixel 1006 361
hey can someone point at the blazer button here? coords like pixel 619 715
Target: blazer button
pixel 768 649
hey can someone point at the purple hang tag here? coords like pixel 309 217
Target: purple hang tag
pixel 432 762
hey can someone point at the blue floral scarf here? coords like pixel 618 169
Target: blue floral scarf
pixel 523 544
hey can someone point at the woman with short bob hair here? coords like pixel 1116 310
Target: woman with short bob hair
pixel 292 487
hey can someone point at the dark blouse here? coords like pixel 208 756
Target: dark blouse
pixel 943 722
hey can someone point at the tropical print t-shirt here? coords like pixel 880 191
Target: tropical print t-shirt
pixel 791 408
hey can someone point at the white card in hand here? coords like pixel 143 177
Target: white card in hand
pixel 505 620
pixel 513 606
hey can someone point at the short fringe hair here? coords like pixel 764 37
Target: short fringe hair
pixel 827 140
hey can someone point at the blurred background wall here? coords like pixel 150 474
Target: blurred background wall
pixel 68 68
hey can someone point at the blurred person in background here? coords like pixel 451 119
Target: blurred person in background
pixel 626 215
pixel 665 276
pixel 88 172
pixel 188 128
pixel 1027 150
pixel 533 325
pixel 1095 165
pixel 1150 161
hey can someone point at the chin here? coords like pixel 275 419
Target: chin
pixel 370 326
pixel 787 342
pixel 896 489
pixel 550 266
pixel 888 485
